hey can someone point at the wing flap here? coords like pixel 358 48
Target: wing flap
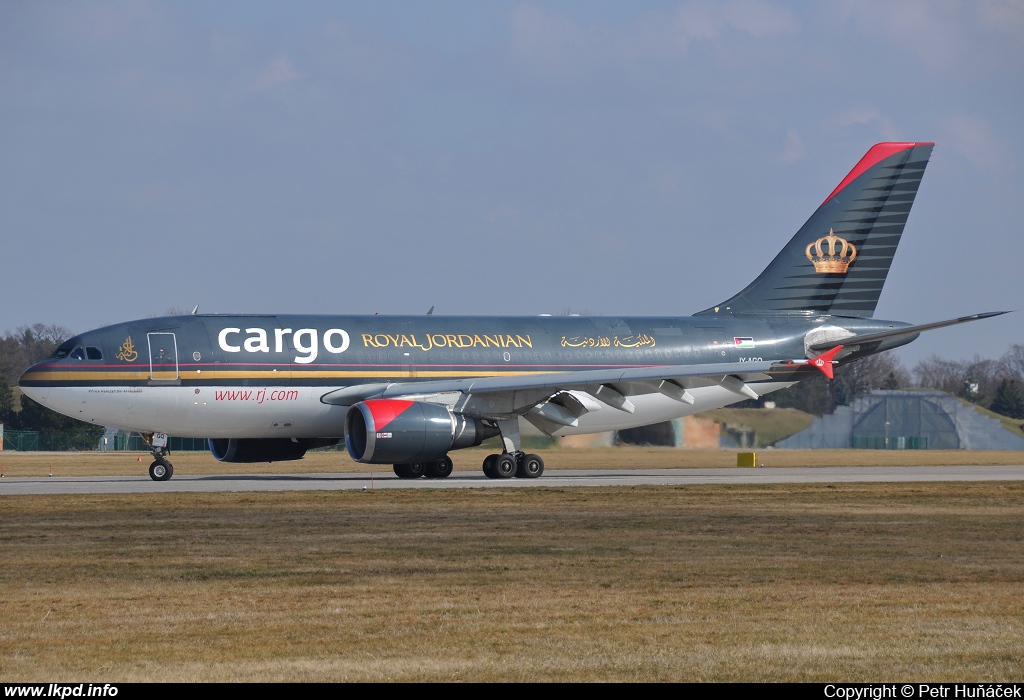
pixel 633 377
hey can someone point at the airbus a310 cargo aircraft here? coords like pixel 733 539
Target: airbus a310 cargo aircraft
pixel 407 390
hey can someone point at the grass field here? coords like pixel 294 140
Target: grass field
pixel 771 425
pixel 856 582
pixel 135 463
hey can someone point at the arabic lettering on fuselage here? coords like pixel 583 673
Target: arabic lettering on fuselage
pixel 127 351
pixel 639 340
pixel 306 342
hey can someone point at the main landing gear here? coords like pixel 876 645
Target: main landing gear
pixel 160 469
pixel 513 461
pixel 439 469
pixel 520 465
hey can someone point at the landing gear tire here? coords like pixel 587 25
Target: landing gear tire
pixel 161 470
pixel 440 469
pixel 530 467
pixel 412 470
pixel 505 466
pixel 489 461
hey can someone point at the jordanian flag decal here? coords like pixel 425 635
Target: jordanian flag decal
pixel 744 343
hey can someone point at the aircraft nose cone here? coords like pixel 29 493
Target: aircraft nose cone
pixel 31 385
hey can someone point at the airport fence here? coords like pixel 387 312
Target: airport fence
pixel 47 441
pixel 878 442
pixel 84 441
pixel 135 443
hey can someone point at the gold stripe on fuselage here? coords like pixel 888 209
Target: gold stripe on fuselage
pixel 199 375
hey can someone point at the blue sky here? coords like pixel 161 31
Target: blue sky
pixel 494 158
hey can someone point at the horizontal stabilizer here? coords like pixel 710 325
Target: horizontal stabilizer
pixel 906 330
pixel 825 360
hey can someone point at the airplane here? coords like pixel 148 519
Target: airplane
pixel 407 390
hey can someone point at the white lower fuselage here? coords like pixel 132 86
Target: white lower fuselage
pixel 286 412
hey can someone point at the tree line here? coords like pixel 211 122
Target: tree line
pixel 997 385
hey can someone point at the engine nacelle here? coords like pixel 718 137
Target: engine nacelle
pixel 395 431
pixel 264 449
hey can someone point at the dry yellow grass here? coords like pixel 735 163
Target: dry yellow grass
pixel 848 582
pixel 127 463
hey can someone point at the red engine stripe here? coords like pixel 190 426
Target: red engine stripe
pixel 386 410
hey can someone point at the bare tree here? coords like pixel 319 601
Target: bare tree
pixel 47 333
pixel 28 345
pixel 882 371
pixel 941 374
pixel 976 380
pixel 1013 361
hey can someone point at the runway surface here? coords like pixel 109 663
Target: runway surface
pixel 473 479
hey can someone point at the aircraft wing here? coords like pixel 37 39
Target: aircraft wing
pixel 610 386
pixel 906 330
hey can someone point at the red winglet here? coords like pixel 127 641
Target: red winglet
pixel 824 361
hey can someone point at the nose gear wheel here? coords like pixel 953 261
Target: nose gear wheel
pixel 161 470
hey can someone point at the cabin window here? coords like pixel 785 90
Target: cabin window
pixel 93 353
pixel 78 354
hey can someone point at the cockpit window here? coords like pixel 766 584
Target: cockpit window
pixel 93 353
pixel 63 351
pixel 78 354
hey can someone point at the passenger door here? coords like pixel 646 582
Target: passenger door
pixel 163 358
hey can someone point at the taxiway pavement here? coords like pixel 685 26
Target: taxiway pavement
pixel 10 486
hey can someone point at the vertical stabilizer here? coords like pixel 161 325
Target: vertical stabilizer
pixel 838 261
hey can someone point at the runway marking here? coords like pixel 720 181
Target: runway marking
pixel 560 479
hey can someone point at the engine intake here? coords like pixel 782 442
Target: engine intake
pixel 265 449
pixel 394 431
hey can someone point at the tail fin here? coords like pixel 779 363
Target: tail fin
pixel 838 261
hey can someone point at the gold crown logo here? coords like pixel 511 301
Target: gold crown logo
pixel 838 257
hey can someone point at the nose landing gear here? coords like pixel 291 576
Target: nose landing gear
pixel 160 469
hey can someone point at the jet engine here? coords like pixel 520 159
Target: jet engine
pixel 265 449
pixel 394 431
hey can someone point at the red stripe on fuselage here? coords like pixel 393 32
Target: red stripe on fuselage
pixel 877 153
